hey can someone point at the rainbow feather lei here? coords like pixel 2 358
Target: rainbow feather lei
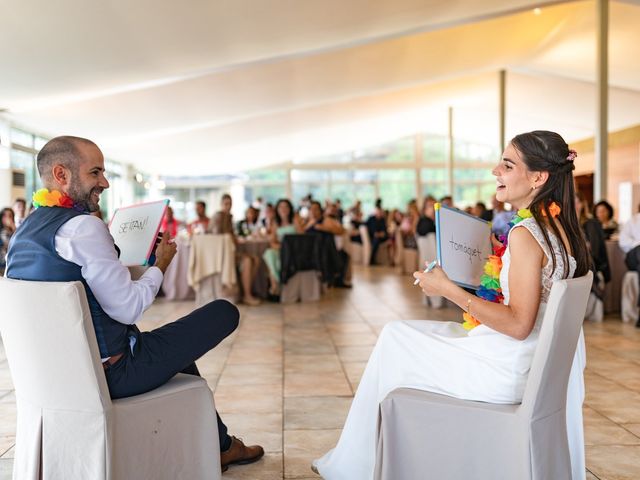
pixel 490 280
pixel 54 198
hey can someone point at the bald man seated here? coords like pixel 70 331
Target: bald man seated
pixel 62 242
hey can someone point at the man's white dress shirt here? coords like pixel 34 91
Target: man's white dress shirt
pixel 85 240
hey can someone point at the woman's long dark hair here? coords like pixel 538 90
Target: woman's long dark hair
pixel 291 213
pixel 544 151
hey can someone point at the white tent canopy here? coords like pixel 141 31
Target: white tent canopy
pixel 209 87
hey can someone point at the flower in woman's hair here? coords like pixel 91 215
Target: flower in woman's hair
pixel 572 155
pixel 554 210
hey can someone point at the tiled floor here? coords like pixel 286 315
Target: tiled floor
pixel 285 379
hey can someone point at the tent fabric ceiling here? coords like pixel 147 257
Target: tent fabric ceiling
pixel 235 83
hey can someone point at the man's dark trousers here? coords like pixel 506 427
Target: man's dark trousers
pixel 160 354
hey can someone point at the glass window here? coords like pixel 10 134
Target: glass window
pixel 365 175
pixel 431 175
pixel 268 175
pixel 466 152
pixel 349 193
pixel 20 137
pixel 434 149
pixel 39 143
pixel 22 160
pixel 399 151
pixel 309 175
pixel 396 194
pixel 269 193
pixel 436 190
pixel 395 175
pixel 319 191
pixel 337 158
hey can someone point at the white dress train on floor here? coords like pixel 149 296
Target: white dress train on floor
pixel 442 357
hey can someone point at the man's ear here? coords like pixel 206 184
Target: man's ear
pixel 61 176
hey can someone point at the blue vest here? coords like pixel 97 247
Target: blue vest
pixel 32 256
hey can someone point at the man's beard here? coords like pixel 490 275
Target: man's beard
pixel 83 198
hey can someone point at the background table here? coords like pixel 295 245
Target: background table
pixel 174 285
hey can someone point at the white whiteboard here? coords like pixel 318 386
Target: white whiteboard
pixel 134 230
pixel 463 245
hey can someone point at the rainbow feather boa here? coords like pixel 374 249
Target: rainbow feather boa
pixel 54 198
pixel 490 280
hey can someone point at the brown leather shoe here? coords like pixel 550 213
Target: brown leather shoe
pixel 240 454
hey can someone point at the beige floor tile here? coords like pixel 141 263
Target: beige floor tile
pixel 621 406
pixel 633 428
pixel 301 447
pixel 591 476
pixel 251 374
pixel 342 339
pixel 256 429
pixel 354 371
pixel 249 399
pixel 305 385
pixel 255 355
pixel 6 468
pixel 599 430
pixel 614 462
pixel 6 446
pixel 9 453
pixel 356 353
pixel 309 413
pixel 304 363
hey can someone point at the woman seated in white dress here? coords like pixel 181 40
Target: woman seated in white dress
pixel 489 357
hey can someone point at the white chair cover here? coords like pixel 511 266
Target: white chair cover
pixel 67 425
pixel 421 432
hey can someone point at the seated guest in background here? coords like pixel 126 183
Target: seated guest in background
pixel 629 242
pixel 596 243
pixel 480 211
pixel 286 222
pixel 19 211
pixel 200 224
pixel 169 223
pixel 318 222
pixel 7 229
pixel 323 224
pixel 269 217
pixel 57 243
pixel 603 212
pixel 427 221
pixel 339 210
pixel 408 226
pixel 377 227
pixel 501 218
pixel 356 208
pixel 447 201
pixel 249 225
pixel 355 222
pixel 222 223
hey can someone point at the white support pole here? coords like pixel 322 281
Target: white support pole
pixel 450 153
pixel 503 108
pixel 602 114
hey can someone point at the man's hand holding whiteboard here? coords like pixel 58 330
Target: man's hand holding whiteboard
pixel 463 244
pixel 134 230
